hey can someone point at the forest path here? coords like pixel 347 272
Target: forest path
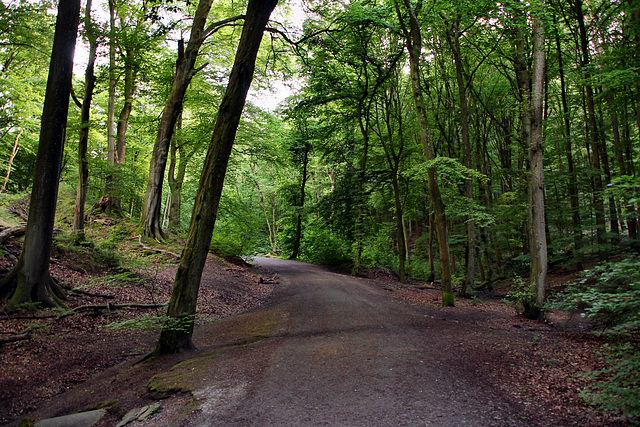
pixel 347 354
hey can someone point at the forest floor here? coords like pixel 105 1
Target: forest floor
pixel 59 351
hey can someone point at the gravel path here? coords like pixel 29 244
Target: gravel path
pixel 349 355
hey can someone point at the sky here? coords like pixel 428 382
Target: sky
pixel 263 98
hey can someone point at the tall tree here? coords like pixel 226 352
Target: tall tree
pixel 184 295
pixel 185 70
pixel 30 281
pixel 538 239
pixel 83 137
pixel 408 16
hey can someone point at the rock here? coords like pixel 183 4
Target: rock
pixel 82 419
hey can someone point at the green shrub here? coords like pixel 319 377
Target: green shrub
pixel 609 294
pixel 618 387
pixel 322 247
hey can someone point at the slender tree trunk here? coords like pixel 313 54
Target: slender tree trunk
pixel 402 248
pixel 363 121
pixel 184 296
pixel 185 70
pixel 572 182
pixel 538 240
pixel 83 138
pixel 453 37
pixel 176 181
pixel 592 126
pixel 14 151
pixel 413 39
pixel 303 184
pixel 111 108
pixel 30 281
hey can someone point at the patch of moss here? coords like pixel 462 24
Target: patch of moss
pixel 238 331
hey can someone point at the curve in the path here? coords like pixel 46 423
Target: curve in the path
pixel 351 356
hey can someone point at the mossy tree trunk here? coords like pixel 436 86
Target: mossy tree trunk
pixel 182 305
pixel 29 281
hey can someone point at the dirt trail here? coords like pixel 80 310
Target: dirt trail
pixel 349 355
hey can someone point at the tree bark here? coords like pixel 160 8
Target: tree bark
pixel 414 46
pixel 182 305
pixel 31 274
pixel 538 239
pixel 83 137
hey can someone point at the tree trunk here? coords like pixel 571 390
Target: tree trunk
pixel 111 108
pixel 572 181
pixel 30 276
pixel 414 46
pixel 453 37
pixel 176 182
pixel 592 127
pixel 14 151
pixel 83 137
pixel 185 70
pixel 538 239
pixel 182 305
pixel 303 184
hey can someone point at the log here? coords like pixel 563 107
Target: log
pixel 10 232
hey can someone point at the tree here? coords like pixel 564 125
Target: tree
pixel 30 281
pixel 408 16
pixel 538 240
pixel 185 70
pixel 83 137
pixel 184 295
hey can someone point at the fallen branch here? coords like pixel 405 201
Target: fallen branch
pixel 91 294
pixel 149 248
pixel 17 336
pixel 108 306
pixel 10 232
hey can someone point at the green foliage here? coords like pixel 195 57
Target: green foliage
pixel 322 247
pixel 609 294
pixel 618 386
pixel 183 323
pixel 523 296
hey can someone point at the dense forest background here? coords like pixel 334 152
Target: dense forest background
pixel 346 170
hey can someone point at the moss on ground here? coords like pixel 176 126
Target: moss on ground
pixel 189 375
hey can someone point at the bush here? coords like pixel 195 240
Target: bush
pixel 609 294
pixel 619 389
pixel 321 247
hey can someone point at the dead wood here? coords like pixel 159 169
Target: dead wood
pixel 91 294
pixel 107 306
pixel 160 251
pixel 10 232
pixel 17 336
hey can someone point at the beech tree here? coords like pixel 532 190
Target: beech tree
pixel 184 295
pixel 30 281
pixel 185 70
pixel 408 16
